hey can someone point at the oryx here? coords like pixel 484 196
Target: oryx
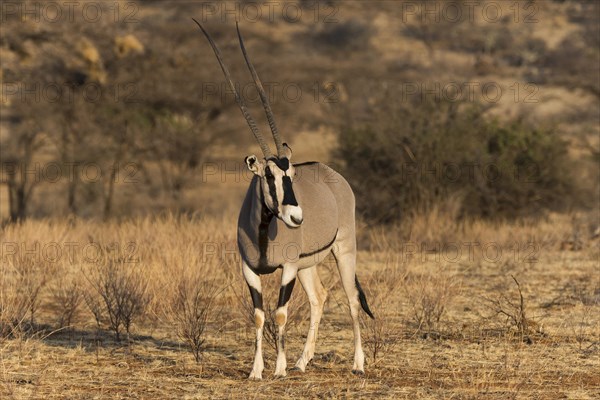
pixel 293 215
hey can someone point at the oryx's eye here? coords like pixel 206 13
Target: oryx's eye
pixel 268 172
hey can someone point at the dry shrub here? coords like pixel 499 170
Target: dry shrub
pixel 191 309
pixel 94 303
pixel 429 296
pixel 583 326
pixel 32 278
pixel 13 304
pixel 66 297
pixel 122 294
pixel 512 310
pixel 24 277
pixel 379 337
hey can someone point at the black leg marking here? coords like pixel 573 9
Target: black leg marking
pixel 363 298
pixel 265 270
pixel 257 299
pixel 285 293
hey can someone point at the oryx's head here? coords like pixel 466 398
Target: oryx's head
pixel 276 173
pixel 276 176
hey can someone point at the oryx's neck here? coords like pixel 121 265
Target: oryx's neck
pixel 254 227
pixel 260 215
pixel 261 219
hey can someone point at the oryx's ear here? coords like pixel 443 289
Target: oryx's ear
pixel 287 151
pixel 254 165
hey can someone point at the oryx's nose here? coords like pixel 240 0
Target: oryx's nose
pixel 292 216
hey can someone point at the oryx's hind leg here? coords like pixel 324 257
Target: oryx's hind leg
pixel 253 281
pixel 345 256
pixel 309 278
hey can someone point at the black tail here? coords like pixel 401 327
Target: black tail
pixel 363 298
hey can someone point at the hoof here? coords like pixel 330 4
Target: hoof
pixel 358 372
pixel 279 376
pixel 255 376
pixel 297 369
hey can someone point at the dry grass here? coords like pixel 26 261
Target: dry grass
pixel 474 352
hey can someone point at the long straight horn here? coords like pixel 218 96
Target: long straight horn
pixel 261 141
pixel 263 96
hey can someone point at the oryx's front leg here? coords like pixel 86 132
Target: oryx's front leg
pixel 253 281
pixel 288 278
pixel 309 278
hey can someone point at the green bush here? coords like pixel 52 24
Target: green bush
pixel 414 157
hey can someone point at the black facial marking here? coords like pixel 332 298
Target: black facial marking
pixel 302 255
pixel 288 192
pixel 263 233
pixel 272 188
pixel 257 299
pixel 285 292
pixel 282 163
